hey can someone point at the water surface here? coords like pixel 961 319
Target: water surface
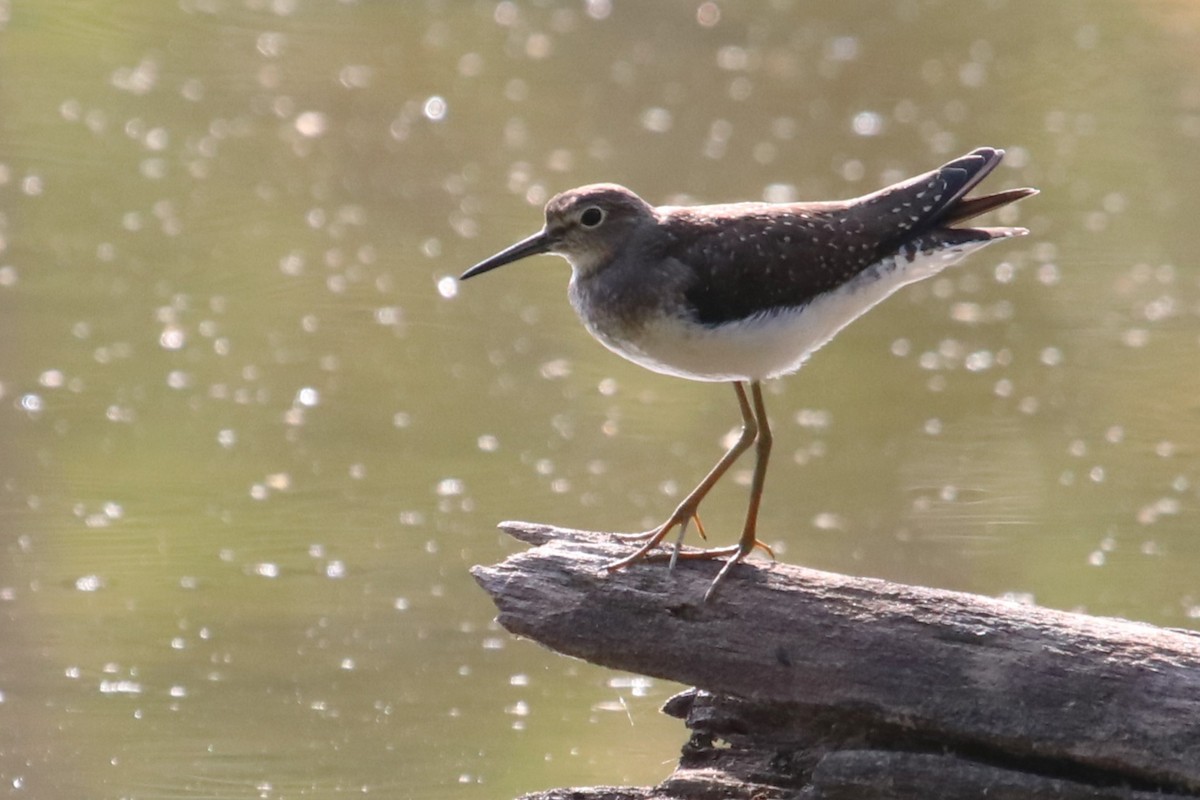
pixel 255 433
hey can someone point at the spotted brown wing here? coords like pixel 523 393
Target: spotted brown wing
pixel 754 258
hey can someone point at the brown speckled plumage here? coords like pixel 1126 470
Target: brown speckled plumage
pixel 747 291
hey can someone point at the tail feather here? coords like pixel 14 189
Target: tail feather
pixel 935 200
pixel 966 209
pixel 966 172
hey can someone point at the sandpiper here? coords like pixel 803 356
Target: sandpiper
pixel 748 291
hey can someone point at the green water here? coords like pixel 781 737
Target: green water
pixel 254 433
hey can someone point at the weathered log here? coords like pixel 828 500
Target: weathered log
pixel 839 687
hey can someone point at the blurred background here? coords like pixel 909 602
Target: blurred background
pixel 254 433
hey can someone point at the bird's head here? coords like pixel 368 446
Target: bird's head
pixel 586 226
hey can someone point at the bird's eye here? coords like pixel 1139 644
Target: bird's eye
pixel 591 217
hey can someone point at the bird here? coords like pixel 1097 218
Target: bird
pixel 741 293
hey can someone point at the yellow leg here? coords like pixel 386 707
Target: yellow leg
pixel 749 538
pixel 689 508
pixel 755 429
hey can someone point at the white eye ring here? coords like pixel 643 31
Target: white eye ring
pixel 592 216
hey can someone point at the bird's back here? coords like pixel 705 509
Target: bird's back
pixel 752 258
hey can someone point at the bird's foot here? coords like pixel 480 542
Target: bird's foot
pixel 732 555
pixel 650 539
pixel 660 532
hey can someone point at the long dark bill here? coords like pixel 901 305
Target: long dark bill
pixel 534 245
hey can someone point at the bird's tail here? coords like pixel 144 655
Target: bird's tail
pixel 966 209
pixel 961 176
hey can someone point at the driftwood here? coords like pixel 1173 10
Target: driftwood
pixel 826 687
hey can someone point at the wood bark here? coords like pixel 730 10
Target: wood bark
pixel 823 686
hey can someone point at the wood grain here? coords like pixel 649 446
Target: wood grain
pixel 818 666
